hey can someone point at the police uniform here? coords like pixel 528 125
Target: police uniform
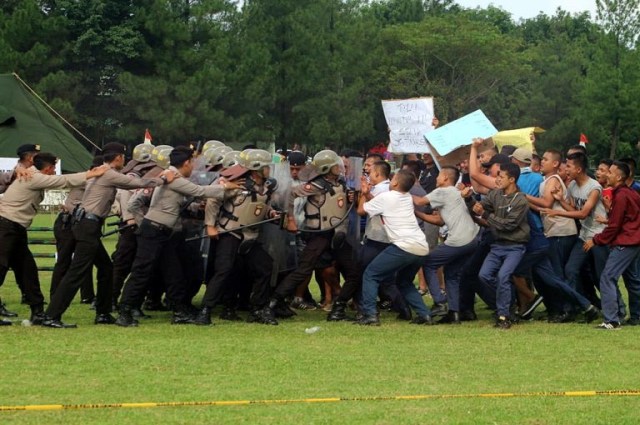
pixel 326 205
pixel 239 248
pixel 18 207
pixel 160 243
pixel 96 204
pixel 66 244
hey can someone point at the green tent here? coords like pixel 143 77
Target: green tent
pixel 25 119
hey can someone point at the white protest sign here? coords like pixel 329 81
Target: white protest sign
pixel 460 132
pixel 408 121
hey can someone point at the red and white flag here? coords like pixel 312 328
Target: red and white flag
pixel 147 136
pixel 583 139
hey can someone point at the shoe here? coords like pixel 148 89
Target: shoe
pixel 368 321
pixel 87 300
pixel 37 318
pixel 438 310
pixel 405 314
pixel 125 319
pixel 299 304
pixel 5 322
pixel 468 316
pixel 609 326
pixel 338 312
pixel 422 320
pixel 104 319
pixel 57 324
pixel 452 318
pixel 6 313
pixel 204 317
pixel 632 322
pixel 137 313
pixel 384 305
pixel 564 317
pixel 503 323
pixel 182 318
pixel 281 309
pixel 264 316
pixel 591 314
pixel 230 314
pixel 528 311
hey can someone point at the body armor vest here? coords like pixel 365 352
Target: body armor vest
pixel 325 210
pixel 246 208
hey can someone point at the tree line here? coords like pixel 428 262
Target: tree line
pixel 313 72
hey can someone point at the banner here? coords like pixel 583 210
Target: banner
pixel 520 138
pixel 460 132
pixel 408 121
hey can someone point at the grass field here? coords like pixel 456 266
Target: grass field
pixel 158 362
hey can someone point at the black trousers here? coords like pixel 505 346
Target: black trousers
pixel 65 245
pixel 255 261
pixel 89 252
pixel 368 252
pixel 123 258
pixel 469 281
pixel 158 247
pixel 15 255
pixel 316 245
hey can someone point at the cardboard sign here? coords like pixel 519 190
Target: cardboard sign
pixel 460 132
pixel 408 121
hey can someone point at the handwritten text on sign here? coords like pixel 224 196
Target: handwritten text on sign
pixel 408 121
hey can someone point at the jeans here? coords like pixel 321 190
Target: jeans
pixel 453 259
pixel 622 260
pixel 392 261
pixel 559 251
pixel 496 272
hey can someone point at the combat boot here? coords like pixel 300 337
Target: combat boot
pixel 125 318
pixel 37 314
pixel 264 315
pixel 338 312
pixel 204 317
pixel 229 313
pixel 182 317
pixel 281 309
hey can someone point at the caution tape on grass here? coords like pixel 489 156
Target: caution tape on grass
pixel 588 393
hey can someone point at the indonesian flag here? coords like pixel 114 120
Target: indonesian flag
pixel 583 139
pixel 147 136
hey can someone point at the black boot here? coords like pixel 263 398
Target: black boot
pixel 6 313
pixel 204 317
pixel 37 314
pixel 264 315
pixel 183 317
pixel 365 320
pixel 452 318
pixel 405 314
pixel 125 318
pixel 229 313
pixel 338 312
pixel 137 313
pixel 281 309
pixel 5 322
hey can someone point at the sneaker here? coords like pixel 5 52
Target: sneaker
pixel 609 326
pixel 528 311
pixel 503 323
pixel 368 321
pixel 422 320
pixel 299 304
pixel 591 314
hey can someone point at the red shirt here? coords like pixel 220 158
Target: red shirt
pixel 624 219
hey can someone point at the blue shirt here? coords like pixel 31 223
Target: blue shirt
pixel 529 183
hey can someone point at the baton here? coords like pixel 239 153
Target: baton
pixel 280 218
pixel 113 232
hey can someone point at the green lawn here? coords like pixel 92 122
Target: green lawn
pixel 158 362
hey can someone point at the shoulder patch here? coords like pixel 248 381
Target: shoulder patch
pixel 307 186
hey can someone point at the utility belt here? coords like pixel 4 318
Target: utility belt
pixel 79 214
pixel 159 226
pixel 65 218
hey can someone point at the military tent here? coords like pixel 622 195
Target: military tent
pixel 25 119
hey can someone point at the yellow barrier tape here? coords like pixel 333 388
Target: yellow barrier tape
pixel 589 393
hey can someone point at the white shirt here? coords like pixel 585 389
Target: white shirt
pixel 399 221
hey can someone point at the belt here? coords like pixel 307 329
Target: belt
pixel 6 220
pixel 93 217
pixel 158 226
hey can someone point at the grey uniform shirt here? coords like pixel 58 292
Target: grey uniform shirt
pixel 20 201
pixel 73 199
pixel 101 191
pixel 167 200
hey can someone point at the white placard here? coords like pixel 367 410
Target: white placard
pixel 408 120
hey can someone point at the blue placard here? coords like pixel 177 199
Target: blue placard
pixel 460 132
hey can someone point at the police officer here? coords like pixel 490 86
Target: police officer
pixel 141 163
pixel 96 204
pixel 326 206
pixel 238 247
pixel 161 241
pixel 66 242
pixel 18 206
